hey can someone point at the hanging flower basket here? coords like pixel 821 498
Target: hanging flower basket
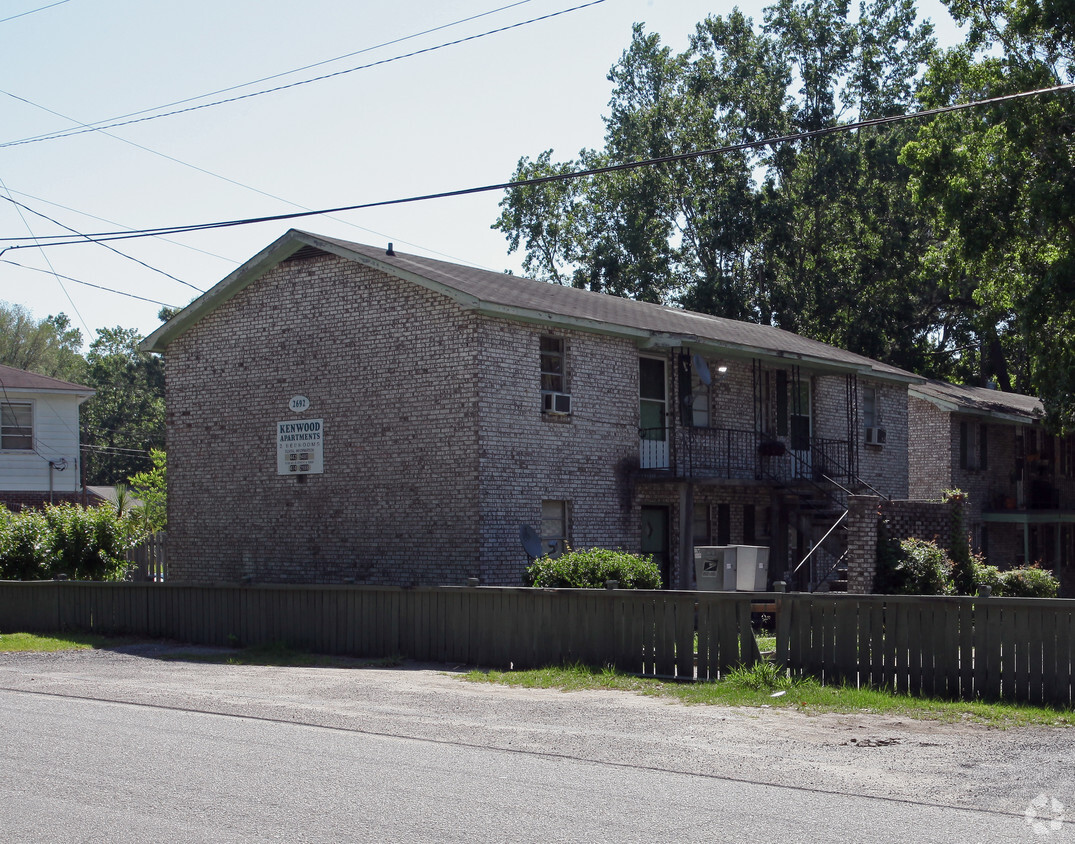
pixel 771 448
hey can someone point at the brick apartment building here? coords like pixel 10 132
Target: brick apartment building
pixel 1019 479
pixel 346 413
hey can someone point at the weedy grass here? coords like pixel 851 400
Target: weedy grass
pixel 275 654
pixel 35 643
pixel 767 685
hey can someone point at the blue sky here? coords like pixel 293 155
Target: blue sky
pixel 446 119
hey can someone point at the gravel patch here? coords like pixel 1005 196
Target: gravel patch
pixel 959 764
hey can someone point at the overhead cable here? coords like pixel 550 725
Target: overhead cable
pixel 67 133
pixel 86 283
pixel 100 243
pixel 32 11
pixel 539 180
pixel 274 75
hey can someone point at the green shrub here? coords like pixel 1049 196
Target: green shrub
pixel 923 569
pixel 25 546
pixel 82 543
pixel 590 568
pixel 1029 582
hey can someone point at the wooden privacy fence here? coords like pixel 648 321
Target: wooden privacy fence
pixel 1020 649
pixel 150 558
pixel 996 648
pixel 651 633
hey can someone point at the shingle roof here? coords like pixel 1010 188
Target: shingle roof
pixel 979 400
pixel 12 378
pixel 523 297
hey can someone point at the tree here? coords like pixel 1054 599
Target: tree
pixel 151 486
pixel 999 183
pixel 124 420
pixel 819 237
pixel 48 347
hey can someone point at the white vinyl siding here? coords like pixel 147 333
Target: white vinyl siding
pixel 54 438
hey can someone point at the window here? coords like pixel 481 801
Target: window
pixel 700 403
pixel 869 407
pixel 553 372
pixel 701 524
pixel 973 446
pixel 17 426
pixel 554 527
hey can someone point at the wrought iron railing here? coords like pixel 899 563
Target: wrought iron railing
pixel 735 454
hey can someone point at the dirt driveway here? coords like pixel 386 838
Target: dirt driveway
pixel 1015 771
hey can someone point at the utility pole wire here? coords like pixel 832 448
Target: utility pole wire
pixel 540 180
pixel 67 133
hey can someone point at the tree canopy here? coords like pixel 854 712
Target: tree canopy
pixel 934 246
pixel 48 347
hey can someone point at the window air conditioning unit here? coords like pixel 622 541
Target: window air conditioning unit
pixel 558 403
pixel 876 436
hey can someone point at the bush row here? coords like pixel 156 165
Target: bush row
pixel 81 543
pixel 919 567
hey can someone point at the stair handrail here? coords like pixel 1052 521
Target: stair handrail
pixel 817 545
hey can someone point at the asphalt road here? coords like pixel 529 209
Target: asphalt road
pixel 109 746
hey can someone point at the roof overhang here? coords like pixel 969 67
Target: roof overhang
pixel 294 240
pixel 951 406
pixel 30 392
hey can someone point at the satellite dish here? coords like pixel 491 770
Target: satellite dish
pixel 702 368
pixel 531 541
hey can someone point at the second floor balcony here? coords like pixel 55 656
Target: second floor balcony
pixel 731 454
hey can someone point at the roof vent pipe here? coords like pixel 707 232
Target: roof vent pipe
pixel 390 253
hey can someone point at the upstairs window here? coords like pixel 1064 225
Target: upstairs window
pixel 17 426
pixel 700 403
pixel 973 446
pixel 869 407
pixel 553 371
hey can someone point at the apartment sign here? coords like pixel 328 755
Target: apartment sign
pixel 300 447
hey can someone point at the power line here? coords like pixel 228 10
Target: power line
pixel 44 254
pixel 25 195
pixel 277 75
pixel 107 125
pixel 86 283
pixel 225 179
pixel 32 11
pixel 560 177
pixel 105 245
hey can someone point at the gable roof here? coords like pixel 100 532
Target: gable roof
pixel 12 378
pixel 527 300
pixel 979 401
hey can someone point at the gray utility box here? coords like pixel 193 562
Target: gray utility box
pixel 731 568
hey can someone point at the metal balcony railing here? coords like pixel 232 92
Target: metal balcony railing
pixel 706 453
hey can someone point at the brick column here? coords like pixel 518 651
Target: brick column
pixel 862 521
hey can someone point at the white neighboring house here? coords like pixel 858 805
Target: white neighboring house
pixel 39 438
